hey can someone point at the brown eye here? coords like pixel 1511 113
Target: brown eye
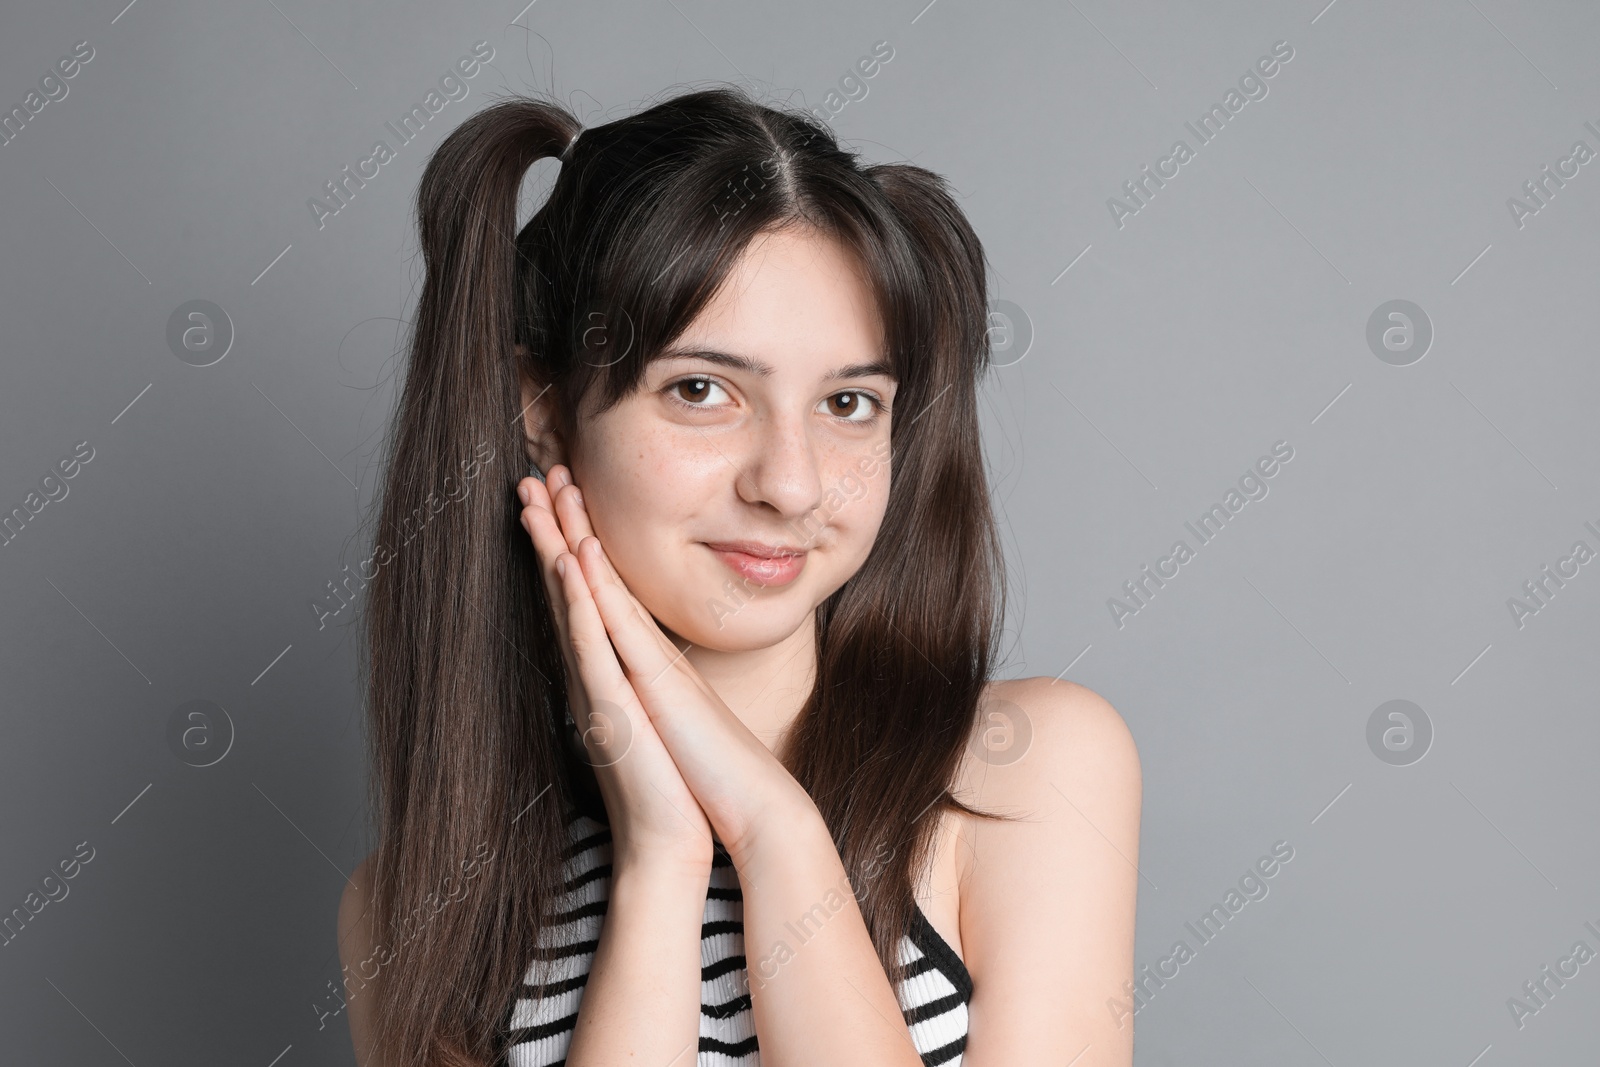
pixel 694 391
pixel 853 407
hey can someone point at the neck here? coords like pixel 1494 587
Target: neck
pixel 764 687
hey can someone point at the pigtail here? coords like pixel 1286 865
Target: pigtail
pixel 465 683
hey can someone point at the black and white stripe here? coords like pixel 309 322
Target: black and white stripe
pixel 933 997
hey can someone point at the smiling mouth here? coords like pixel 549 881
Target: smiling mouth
pixel 759 564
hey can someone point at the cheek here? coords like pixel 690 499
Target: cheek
pixel 855 505
pixel 642 491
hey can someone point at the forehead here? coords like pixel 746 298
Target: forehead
pixel 793 298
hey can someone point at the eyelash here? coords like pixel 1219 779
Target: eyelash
pixel 878 406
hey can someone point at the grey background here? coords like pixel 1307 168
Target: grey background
pixel 1228 314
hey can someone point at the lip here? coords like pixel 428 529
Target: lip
pixel 760 564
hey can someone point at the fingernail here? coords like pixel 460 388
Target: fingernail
pixel 577 494
pixel 561 566
pixel 523 494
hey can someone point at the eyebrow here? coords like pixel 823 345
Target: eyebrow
pixel 765 370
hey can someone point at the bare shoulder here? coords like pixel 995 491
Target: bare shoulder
pixel 356 941
pixel 1048 896
pixel 1033 731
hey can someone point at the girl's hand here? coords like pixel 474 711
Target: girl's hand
pixel 652 813
pixel 738 783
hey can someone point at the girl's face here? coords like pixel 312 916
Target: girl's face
pixel 745 479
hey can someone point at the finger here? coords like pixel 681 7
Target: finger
pixel 668 645
pixel 558 478
pixel 569 508
pixel 549 544
pixel 533 491
pixel 540 501
pixel 575 525
pixel 536 501
pixel 598 667
pixel 641 646
pixel 608 572
pixel 552 536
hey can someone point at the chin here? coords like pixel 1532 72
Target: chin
pixel 705 603
pixel 756 624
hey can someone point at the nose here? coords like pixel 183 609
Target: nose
pixel 781 468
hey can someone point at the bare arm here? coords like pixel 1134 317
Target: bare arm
pixel 818 990
pixel 641 1003
pixel 355 945
pixel 1048 901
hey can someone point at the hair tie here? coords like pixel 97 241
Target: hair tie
pixel 567 151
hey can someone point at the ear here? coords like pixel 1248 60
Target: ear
pixel 542 440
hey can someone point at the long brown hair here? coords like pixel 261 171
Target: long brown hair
pixel 473 778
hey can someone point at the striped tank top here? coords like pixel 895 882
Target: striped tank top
pixel 538 1027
